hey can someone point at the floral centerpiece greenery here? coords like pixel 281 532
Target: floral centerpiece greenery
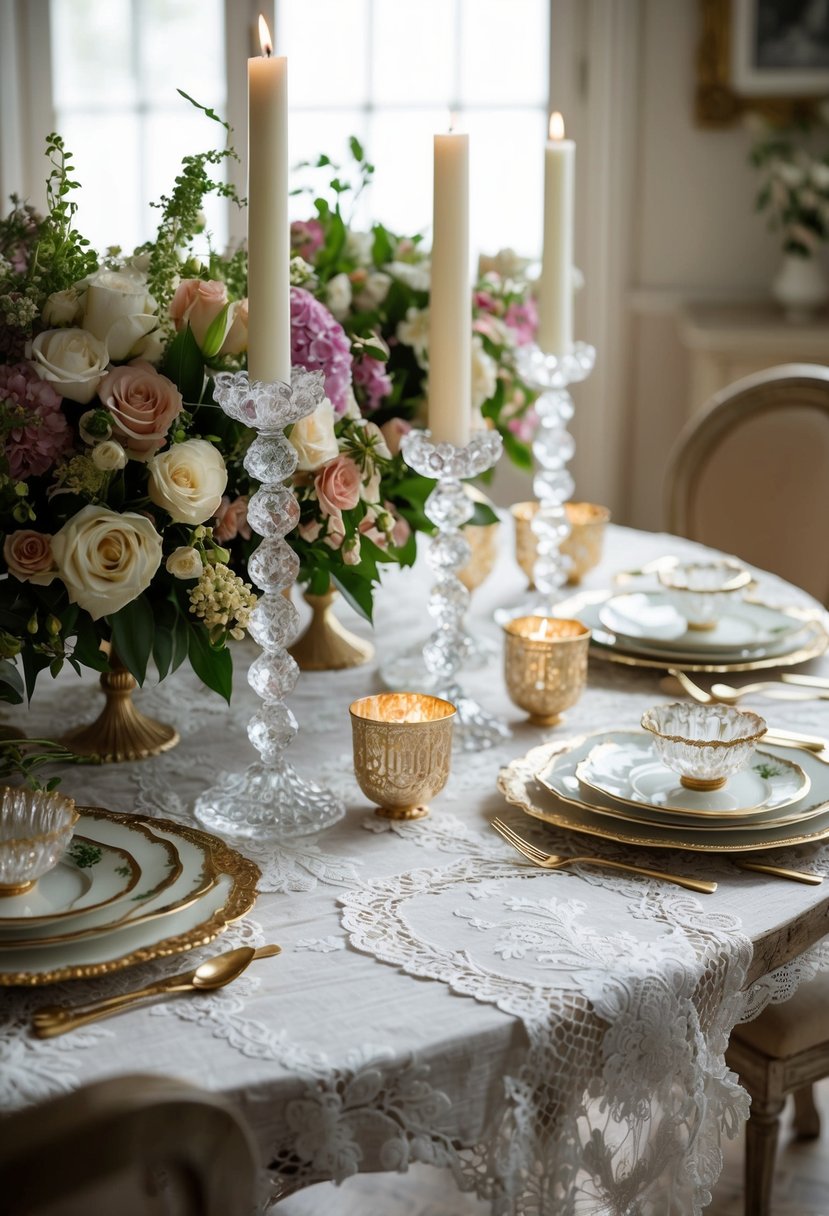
pixel 122 489
pixel 794 190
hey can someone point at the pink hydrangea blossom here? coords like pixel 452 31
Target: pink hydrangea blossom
pixel 486 302
pixel 522 319
pixel 318 342
pixel 524 428
pixel 36 432
pixel 307 237
pixel 371 377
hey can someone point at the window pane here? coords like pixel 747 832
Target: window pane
pixel 168 135
pixel 182 47
pixel 110 202
pixel 92 52
pixel 413 51
pixel 505 52
pixel 327 43
pixel 506 179
pixel 311 133
pixel 400 144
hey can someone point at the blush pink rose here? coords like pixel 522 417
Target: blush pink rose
pixel 236 338
pixel 393 432
pixel 143 403
pixel 335 532
pixel 231 520
pixel 198 301
pixel 310 530
pixel 29 556
pixel 401 530
pixel 368 528
pixel 338 485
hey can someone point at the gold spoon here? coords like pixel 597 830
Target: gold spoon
pixel 214 973
pixel 768 688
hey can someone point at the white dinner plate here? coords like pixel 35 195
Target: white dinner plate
pixel 229 897
pixel 625 766
pixel 652 618
pixel 174 873
pixel 91 874
pixel 561 799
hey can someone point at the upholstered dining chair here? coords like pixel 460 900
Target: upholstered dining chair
pixel 136 1144
pixel 781 1052
pixel 750 474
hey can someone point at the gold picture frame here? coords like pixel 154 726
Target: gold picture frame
pixel 719 100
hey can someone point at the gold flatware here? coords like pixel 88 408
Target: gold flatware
pixel 813 880
pixel 775 735
pixel 730 695
pixel 552 861
pixel 806 681
pixel 652 567
pixel 214 973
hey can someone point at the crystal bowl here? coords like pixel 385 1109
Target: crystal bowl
pixel 705 744
pixel 35 828
pixel 699 589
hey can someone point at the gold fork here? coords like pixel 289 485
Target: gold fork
pixel 552 861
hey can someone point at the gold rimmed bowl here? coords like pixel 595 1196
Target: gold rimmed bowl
pixel 545 665
pixel 704 744
pixel 402 750
pixel 700 589
pixel 35 828
pixel 583 544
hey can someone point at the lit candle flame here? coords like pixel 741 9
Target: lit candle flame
pixel 265 37
pixel 556 126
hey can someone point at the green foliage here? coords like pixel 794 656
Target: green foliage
pixel 61 256
pixel 20 758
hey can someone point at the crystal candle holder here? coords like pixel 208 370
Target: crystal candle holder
pixel 402 750
pixel 449 508
pixel 545 665
pixel 583 545
pixel 269 798
pixel 553 446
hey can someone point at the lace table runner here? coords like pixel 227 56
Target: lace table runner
pixel 586 1073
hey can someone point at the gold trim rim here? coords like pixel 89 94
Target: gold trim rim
pixel 240 899
pixel 791 659
pixel 565 821
pixel 652 729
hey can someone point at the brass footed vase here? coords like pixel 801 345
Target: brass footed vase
pixel 326 644
pixel 120 732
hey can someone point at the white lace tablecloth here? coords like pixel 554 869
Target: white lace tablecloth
pixel 554 1039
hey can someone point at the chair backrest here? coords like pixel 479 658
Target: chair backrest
pixel 750 475
pixel 93 1151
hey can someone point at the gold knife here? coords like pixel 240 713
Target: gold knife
pixel 813 880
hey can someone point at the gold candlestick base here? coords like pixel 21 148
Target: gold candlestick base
pixel 120 732
pixel 326 645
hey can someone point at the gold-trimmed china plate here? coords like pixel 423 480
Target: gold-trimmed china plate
pixel 519 784
pixel 227 899
pixel 91 875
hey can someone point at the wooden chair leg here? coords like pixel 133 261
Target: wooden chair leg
pixel 806 1114
pixel 761 1149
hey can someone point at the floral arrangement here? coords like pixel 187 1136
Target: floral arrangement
pixel 122 490
pixel 795 185
pixel 376 283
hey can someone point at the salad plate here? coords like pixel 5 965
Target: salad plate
pixel 197 922
pixel 626 768
pixel 90 875
pixel 651 617
pixel 561 800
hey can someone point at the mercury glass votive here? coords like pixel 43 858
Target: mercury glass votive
pixel 583 546
pixel 545 665
pixel 402 750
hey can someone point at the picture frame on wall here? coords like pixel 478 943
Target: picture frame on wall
pixel 769 57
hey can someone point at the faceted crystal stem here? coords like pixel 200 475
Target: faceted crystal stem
pixel 449 508
pixel 270 798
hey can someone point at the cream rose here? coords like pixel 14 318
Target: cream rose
pixel 338 295
pixel 188 481
pixel 313 438
pixel 105 559
pixel 119 310
pixel 29 557
pixel 73 361
pixel 62 308
pixel 143 403
pixel 108 456
pixel 185 562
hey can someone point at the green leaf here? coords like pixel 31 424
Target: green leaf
pixel 11 683
pixel 484 515
pixel 356 148
pixel 183 364
pixel 133 628
pixel 215 335
pixel 213 666
pixel 33 664
pixel 518 452
pixel 88 646
pixel 356 591
pixel 181 643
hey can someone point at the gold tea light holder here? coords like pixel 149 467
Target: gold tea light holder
pixel 402 750
pixel 545 665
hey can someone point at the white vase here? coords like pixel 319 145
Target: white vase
pixel 800 287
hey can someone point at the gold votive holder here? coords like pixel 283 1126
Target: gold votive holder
pixel 402 750
pixel 583 545
pixel 545 665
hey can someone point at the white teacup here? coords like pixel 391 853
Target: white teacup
pixel 699 588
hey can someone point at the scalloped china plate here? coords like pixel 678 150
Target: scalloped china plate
pixel 90 875
pixel 567 807
pixel 230 896
pixel 650 618
pixel 625 767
